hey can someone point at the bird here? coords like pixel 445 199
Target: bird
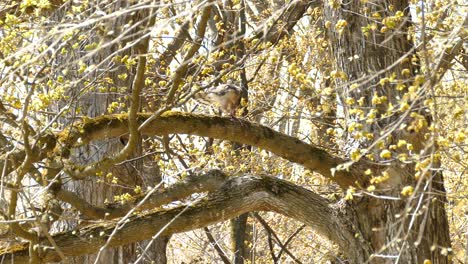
pixel 226 96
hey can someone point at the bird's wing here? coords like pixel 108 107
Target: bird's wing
pixel 222 89
pixel 217 90
pixel 218 93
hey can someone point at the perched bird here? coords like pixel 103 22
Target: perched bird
pixel 227 96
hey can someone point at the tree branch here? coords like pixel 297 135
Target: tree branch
pixel 215 245
pixel 237 196
pixel 182 70
pixel 284 23
pixel 138 83
pixel 208 182
pixel 290 238
pixel 290 148
pixel 272 232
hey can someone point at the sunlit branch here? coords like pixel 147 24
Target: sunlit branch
pixel 200 183
pixel 236 196
pixel 290 148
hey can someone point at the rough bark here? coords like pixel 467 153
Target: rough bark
pixel 238 237
pixel 129 174
pixel 422 222
pixel 236 196
pixel 290 148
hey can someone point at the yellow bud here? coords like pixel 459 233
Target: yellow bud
pixel 407 191
pixel 385 154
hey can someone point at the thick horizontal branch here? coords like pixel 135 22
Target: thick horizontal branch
pixel 208 182
pixel 241 131
pixel 237 196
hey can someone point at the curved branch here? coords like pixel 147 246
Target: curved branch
pixel 12 160
pixel 290 148
pixel 237 196
pixel 208 182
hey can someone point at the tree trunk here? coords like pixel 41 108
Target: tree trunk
pixel 131 174
pixel 238 237
pixel 403 230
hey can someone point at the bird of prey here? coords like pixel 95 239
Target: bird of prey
pixel 227 96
